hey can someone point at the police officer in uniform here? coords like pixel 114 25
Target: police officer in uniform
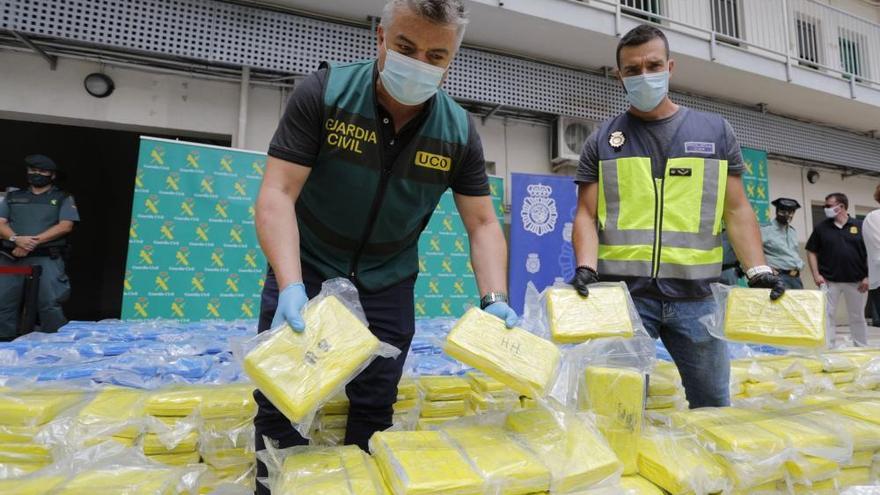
pixel 357 165
pixel 781 243
pixel 654 185
pixel 34 226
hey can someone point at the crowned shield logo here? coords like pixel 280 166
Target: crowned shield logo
pixel 539 210
pixel 533 263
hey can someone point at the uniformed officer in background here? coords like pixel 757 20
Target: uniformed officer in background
pixel 781 244
pixel 34 226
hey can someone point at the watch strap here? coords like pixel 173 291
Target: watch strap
pixel 492 298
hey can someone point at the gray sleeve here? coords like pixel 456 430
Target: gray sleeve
pixel 4 208
pixel 588 166
pixel 733 153
pixel 68 210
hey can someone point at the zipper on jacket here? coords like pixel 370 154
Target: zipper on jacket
pixel 658 227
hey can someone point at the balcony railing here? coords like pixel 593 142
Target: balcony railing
pixel 802 33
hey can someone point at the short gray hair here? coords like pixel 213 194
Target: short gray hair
pixel 446 12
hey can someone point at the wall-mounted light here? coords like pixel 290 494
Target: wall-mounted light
pixel 812 176
pixel 99 85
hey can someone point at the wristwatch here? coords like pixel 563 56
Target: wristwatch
pixel 757 270
pixel 492 298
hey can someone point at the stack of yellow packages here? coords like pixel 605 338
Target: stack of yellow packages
pixel 507 467
pixel 678 463
pixel 22 414
pixel 569 445
pixel 573 319
pixel 329 430
pixel 298 372
pixel 523 361
pixel 173 435
pixel 797 319
pixel 406 409
pixel 226 436
pixel 112 413
pixel 326 471
pixel 444 399
pixel 117 480
pixel 423 462
pixel 665 392
pixel 753 456
pixel 490 395
pixel 617 397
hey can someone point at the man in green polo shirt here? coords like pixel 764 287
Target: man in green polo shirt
pixel 359 161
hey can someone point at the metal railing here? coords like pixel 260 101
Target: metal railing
pixel 805 33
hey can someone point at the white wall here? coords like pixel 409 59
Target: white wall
pixel 142 100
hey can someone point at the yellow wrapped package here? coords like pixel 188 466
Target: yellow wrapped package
pixel 402 406
pixel 24 453
pixel 866 410
pixel 224 401
pixel 178 459
pixel 175 401
pixel 791 366
pixel 662 401
pixel 124 441
pixel 331 421
pixel 116 410
pixel 298 371
pixel 796 320
pixel 424 424
pixel 38 485
pixel 363 473
pixel 225 457
pixel 153 445
pixel 577 456
pixel 340 470
pixel 574 319
pixel 443 408
pixel 122 481
pixel 834 486
pixel 840 377
pixel 521 360
pixel 18 434
pixel 679 464
pixel 809 437
pixel 444 387
pixel 809 469
pixel 508 468
pixel 637 485
pixel 485 383
pixel 337 405
pixel 659 385
pixel 407 389
pixel 713 416
pixel 33 408
pixel 860 459
pixel 423 462
pixel 617 397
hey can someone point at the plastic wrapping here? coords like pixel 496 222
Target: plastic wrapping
pixel 326 470
pixel 524 362
pixel 37 407
pixel 485 383
pixel 811 437
pixel 607 312
pixel 567 443
pixel 443 409
pixel 508 468
pixel 617 397
pixel 298 372
pixel 31 485
pixel 176 459
pixel 808 470
pixel 154 445
pixel 436 388
pixel 797 319
pixel 225 401
pixel 423 462
pixel 676 462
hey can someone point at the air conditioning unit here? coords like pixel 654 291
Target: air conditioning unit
pixel 569 136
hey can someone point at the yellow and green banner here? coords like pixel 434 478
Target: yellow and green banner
pixel 446 285
pixel 756 181
pixel 192 248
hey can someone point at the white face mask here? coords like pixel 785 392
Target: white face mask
pixel 831 212
pixel 409 81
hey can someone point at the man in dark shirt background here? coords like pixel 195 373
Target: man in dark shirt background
pixel 838 260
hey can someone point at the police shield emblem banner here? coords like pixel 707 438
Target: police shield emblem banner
pixel 192 248
pixel 756 182
pixel 446 285
pixel 541 219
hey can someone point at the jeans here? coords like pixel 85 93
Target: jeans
pixel 702 360
pixel 855 307
pixel 372 394
pixel 791 282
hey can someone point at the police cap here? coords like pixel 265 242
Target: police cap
pixel 786 204
pixel 42 162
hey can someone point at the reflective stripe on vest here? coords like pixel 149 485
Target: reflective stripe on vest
pixel 661 228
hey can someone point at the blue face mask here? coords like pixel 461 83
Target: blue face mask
pixel 645 92
pixel 409 81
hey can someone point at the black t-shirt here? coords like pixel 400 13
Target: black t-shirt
pixel 298 137
pixel 840 251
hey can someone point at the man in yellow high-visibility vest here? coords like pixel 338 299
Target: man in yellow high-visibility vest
pixel 654 185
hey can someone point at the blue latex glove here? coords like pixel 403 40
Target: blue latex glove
pixel 503 311
pixel 290 304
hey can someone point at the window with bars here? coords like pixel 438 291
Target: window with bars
pixel 725 18
pixel 852 52
pixel 808 39
pixel 642 9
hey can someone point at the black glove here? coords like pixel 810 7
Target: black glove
pixel 768 281
pixel 583 277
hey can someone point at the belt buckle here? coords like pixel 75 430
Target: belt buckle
pixel 792 273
